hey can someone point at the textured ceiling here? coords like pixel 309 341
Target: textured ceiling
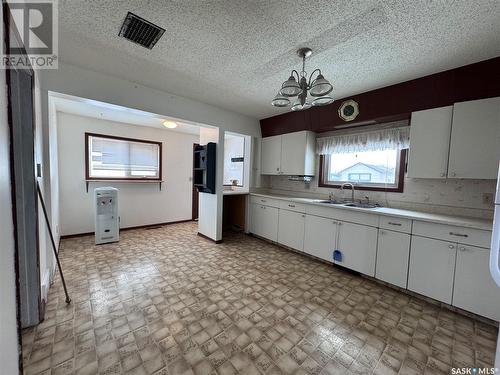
pixel 234 54
pixel 111 112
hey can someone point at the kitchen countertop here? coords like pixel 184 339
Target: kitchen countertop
pixel 468 222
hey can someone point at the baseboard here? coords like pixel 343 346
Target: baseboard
pixel 127 228
pixel 208 238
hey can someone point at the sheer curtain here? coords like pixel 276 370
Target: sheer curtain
pixel 389 137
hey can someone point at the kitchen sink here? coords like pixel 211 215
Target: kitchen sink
pixel 362 205
pixel 331 202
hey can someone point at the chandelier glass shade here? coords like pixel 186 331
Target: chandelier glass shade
pixel 297 85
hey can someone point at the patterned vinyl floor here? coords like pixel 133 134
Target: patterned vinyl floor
pixel 165 301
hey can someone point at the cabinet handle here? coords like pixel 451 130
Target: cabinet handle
pixel 291 205
pixel 451 246
pixel 443 174
pixel 263 200
pixel 278 169
pixel 453 174
pixel 459 234
pixel 381 232
pixel 303 215
pixel 463 248
pixel 397 224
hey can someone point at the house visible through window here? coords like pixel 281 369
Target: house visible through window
pixel 365 169
pixel 109 157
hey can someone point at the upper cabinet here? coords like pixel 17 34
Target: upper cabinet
pixel 429 143
pixel 289 154
pixel 271 155
pixel 475 136
pixel 459 141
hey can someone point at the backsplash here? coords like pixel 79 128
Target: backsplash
pixel 451 197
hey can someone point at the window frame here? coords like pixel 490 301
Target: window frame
pixel 118 138
pixel 400 176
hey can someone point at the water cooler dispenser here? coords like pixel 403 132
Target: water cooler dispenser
pixel 107 226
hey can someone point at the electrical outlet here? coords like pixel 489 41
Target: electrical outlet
pixel 488 199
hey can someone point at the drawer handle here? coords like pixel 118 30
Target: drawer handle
pixel 451 246
pixel 263 200
pixel 397 224
pixel 459 234
pixel 291 205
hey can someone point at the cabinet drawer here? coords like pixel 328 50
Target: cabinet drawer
pixel 395 223
pixel 468 236
pixel 343 215
pixel 265 201
pixel 293 206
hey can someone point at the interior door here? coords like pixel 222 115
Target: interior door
pixel 21 109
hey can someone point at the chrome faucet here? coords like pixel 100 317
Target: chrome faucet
pixel 348 184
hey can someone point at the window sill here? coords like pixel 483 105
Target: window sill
pixel 124 181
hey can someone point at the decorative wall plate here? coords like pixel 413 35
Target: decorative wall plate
pixel 348 110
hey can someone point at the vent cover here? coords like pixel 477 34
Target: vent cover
pixel 140 31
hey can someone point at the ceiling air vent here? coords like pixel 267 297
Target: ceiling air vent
pixel 140 31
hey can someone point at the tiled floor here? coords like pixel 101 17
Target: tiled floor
pixel 168 302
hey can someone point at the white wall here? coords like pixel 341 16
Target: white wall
pixel 210 205
pixel 73 80
pixel 9 354
pixel 139 204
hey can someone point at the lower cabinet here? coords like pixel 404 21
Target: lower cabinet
pixel 432 268
pixel 358 246
pixel 264 221
pixel 474 289
pixel 291 229
pixel 319 238
pixel 393 252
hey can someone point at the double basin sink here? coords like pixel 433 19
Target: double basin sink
pixel 350 204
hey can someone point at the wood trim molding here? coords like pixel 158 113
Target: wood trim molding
pixel 208 238
pixel 396 102
pixel 127 228
pixel 398 189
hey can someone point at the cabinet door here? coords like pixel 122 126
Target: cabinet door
pixel 271 155
pixel 291 229
pixel 358 245
pixel 474 288
pixel 293 153
pixel 475 136
pixel 432 268
pixel 319 238
pixel 393 253
pixel 429 143
pixel 264 221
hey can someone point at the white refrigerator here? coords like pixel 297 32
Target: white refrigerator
pixel 494 254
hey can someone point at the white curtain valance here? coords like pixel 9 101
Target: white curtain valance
pixel 378 140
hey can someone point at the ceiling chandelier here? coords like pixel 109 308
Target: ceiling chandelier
pixel 298 85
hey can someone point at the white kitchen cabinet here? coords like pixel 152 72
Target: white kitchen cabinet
pixel 474 289
pixel 291 229
pixel 289 154
pixel 358 245
pixel 264 221
pixel 393 252
pixel 432 268
pixel 475 136
pixel 429 143
pixel 319 238
pixel 271 155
